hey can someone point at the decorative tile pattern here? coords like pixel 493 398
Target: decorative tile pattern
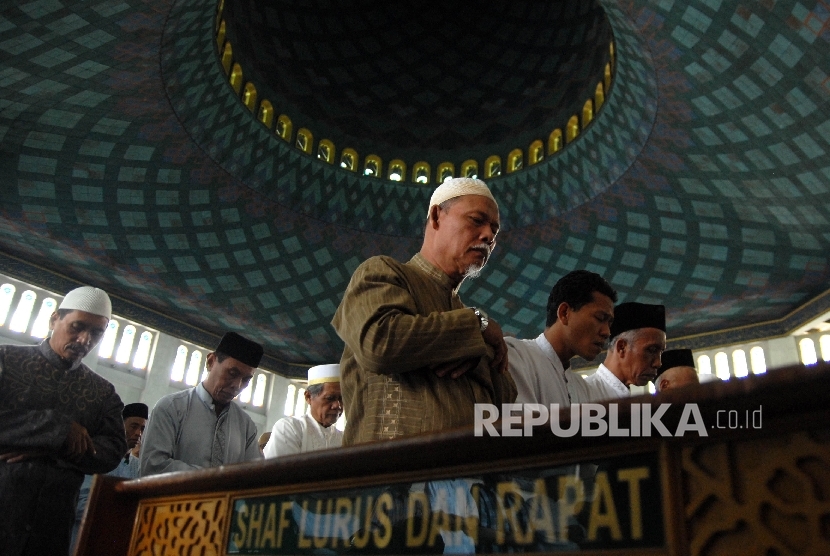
pixel 128 163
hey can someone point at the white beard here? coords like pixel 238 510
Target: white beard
pixel 473 271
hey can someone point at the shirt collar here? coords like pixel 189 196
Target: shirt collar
pixel 549 352
pixel 434 272
pixel 325 431
pixel 56 360
pixel 207 399
pixel 611 380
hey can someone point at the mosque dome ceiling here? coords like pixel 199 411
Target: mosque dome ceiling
pixel 130 163
pixel 422 80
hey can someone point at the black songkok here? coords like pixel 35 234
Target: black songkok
pixel 135 410
pixel 633 315
pixel 676 358
pixel 240 348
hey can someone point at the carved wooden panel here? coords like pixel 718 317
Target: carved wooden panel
pixel 180 527
pixel 766 496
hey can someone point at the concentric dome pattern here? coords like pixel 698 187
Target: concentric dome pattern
pixel 130 163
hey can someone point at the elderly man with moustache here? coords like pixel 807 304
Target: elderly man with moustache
pixel 580 311
pixel 315 430
pixel 202 426
pixel 58 421
pixel 638 338
pixel 416 358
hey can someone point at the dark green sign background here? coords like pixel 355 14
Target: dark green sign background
pixel 611 504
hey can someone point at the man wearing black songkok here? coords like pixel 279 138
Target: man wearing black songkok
pixel 202 427
pixel 678 370
pixel 638 338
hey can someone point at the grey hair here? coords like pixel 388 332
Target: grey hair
pixel 315 389
pixel 630 336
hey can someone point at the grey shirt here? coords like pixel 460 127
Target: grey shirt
pixel 184 428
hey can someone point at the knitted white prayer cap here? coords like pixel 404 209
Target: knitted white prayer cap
pixel 324 373
pixel 88 299
pixel 456 187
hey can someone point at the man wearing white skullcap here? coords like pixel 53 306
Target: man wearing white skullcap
pixel 416 358
pixel 315 430
pixel 58 421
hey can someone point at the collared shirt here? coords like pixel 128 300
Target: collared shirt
pixel 183 429
pixel 603 385
pixel 296 435
pixel 540 375
pixel 401 323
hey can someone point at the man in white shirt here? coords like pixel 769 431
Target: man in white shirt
pixel 315 430
pixel 638 338
pixel 580 310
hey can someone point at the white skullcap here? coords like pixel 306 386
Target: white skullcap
pixel 89 300
pixel 324 373
pixel 456 187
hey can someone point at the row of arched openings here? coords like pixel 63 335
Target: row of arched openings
pixel 398 170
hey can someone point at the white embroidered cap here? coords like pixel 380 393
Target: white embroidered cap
pixel 456 187
pixel 324 373
pixel 88 299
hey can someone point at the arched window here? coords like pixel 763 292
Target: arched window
pixel 266 113
pixel 446 170
pixel 572 129
pixel 40 328
pixel 288 410
pixel 220 35
pixel 227 58
pixel 739 363
pixel 108 341
pixel 599 96
pixel 704 365
pixel 722 365
pixel 808 351
pixel 469 169
pixel 20 319
pixel 6 296
pixel 219 9
pixel 193 369
pixel 824 344
pixel 249 97
pixel 299 409
pixel 125 347
pixel 555 141
pixel 325 151
pixel 348 160
pixel 373 166
pixel 142 354
pixel 535 153
pixel 305 140
pixel 285 128
pixel 757 360
pixel 420 172
pixel 259 390
pixel 397 170
pixel 515 160
pixel 245 394
pixel 235 78
pixel 492 166
pixel 177 372
pixel 606 77
pixel 587 112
